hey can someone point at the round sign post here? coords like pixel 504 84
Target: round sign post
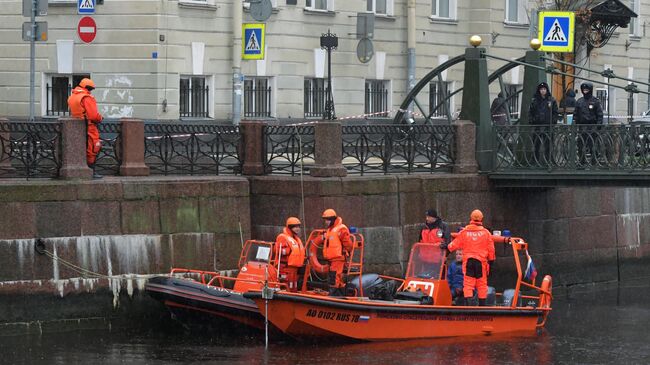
pixel 87 29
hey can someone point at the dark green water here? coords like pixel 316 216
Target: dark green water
pixel 601 327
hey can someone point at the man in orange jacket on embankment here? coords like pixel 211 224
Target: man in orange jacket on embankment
pixel 478 255
pixel 83 105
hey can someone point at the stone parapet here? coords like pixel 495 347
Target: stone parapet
pixel 132 148
pixel 328 151
pixel 73 153
pixel 465 142
pixel 252 147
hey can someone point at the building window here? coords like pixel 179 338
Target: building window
pixel 445 9
pixel 380 7
pixel 320 4
pixel 516 12
pixel 376 98
pixel 257 97
pixel 58 88
pixel 194 97
pixel 315 97
pixel 635 28
pixel 439 99
pixel 601 94
pixel 512 96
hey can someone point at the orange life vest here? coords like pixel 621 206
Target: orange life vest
pixel 475 241
pixel 333 246
pixel 430 236
pixel 74 102
pixel 296 257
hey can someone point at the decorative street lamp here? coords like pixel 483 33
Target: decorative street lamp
pixel 604 19
pixel 329 41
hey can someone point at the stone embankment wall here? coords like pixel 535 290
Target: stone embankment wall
pixel 129 228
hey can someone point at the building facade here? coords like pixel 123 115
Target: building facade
pixel 173 59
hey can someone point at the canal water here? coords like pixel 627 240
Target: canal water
pixel 593 327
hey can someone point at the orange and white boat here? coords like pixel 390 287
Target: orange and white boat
pixel 198 296
pixel 422 306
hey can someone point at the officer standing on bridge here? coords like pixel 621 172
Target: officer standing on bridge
pixel 543 112
pixel 588 112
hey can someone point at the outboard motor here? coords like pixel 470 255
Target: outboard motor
pixel 374 287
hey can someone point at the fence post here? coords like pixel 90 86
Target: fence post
pixel 132 148
pixel 252 147
pixel 5 144
pixel 328 150
pixel 465 141
pixel 73 152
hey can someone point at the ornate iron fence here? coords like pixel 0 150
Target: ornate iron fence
pixel 288 149
pixel 109 158
pixel 30 149
pixel 398 148
pixel 611 148
pixel 192 149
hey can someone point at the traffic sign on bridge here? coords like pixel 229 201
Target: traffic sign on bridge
pixel 556 31
pixel 87 29
pixel 86 6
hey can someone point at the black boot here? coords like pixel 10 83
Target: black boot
pixel 482 302
pixel 95 174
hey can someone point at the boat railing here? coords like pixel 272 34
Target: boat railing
pixel 202 274
pixel 221 284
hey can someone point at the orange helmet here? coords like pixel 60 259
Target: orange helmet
pixel 329 213
pixel 476 216
pixel 87 83
pixel 293 221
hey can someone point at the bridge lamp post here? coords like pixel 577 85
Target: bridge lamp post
pixel 329 41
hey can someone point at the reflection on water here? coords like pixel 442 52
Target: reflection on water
pixel 605 327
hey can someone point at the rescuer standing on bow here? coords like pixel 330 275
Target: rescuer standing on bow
pixel 336 248
pixel 83 105
pixel 291 253
pixel 478 255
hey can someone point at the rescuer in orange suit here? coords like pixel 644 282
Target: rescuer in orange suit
pixel 336 247
pixel 83 105
pixel 478 255
pixel 291 252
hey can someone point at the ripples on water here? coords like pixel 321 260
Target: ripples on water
pixel 604 327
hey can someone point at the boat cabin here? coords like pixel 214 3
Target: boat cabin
pixel 426 273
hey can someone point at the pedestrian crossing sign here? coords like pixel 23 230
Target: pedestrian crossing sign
pixel 86 6
pixel 252 41
pixel 556 31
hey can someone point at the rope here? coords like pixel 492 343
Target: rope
pixel 84 272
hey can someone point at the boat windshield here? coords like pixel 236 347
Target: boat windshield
pixel 258 252
pixel 426 260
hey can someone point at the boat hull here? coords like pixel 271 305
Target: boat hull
pixel 307 316
pixel 191 299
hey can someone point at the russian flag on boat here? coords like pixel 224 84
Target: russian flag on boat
pixel 364 318
pixel 531 270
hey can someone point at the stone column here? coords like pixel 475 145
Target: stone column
pixel 465 141
pixel 132 148
pixel 328 150
pixel 73 153
pixel 5 135
pixel 252 147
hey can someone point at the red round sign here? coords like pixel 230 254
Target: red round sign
pixel 87 29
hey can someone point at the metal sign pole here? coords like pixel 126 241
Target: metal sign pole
pixel 32 59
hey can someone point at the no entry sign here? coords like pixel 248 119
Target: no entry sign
pixel 87 29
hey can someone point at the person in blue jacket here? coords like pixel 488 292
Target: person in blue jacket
pixel 455 277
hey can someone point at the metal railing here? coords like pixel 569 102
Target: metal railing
pixel 257 99
pixel 192 149
pixel 109 158
pixel 398 148
pixel 56 100
pixel 288 149
pixel 573 148
pixel 315 99
pixel 30 149
pixel 194 102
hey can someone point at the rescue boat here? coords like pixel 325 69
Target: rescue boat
pixel 421 307
pixel 196 295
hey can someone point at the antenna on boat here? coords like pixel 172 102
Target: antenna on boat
pixel 302 187
pixel 265 290
pixel 241 233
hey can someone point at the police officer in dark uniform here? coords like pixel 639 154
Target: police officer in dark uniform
pixel 543 112
pixel 587 112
